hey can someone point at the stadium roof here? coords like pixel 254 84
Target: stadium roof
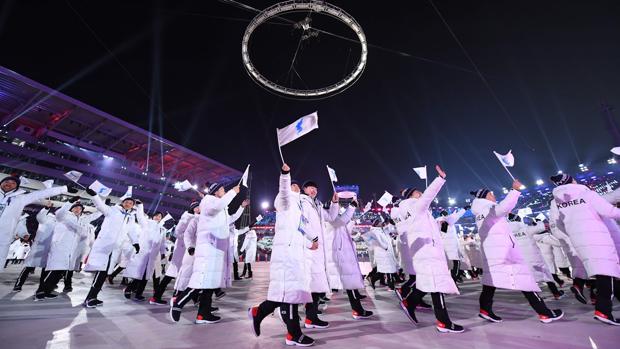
pixel 49 112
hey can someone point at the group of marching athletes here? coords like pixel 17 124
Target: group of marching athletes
pixel 314 253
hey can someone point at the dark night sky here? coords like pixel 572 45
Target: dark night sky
pixel 551 64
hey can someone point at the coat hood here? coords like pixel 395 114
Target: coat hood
pixel 568 192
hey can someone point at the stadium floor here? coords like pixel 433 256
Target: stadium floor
pixel 64 323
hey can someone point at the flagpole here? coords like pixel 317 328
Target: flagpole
pixel 507 170
pixel 330 178
pixel 279 147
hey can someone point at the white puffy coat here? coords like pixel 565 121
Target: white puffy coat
pixel 11 206
pixel 117 225
pixel 152 245
pixel 316 217
pixel 578 270
pixel 404 255
pixel 525 235
pixel 249 246
pixel 213 256
pixel 504 265
pixel 425 243
pixel 465 262
pixel 450 238
pixel 474 252
pixel 581 213
pixel 289 273
pixel 179 246
pixel 546 243
pixel 344 254
pixel 187 265
pixel 383 250
pixel 42 241
pixel 84 245
pixel 68 231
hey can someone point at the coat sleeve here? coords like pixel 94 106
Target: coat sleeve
pixel 455 216
pixel 602 206
pixel 162 246
pixel 346 216
pixel 547 239
pixel 34 196
pixel 381 240
pixel 332 213
pixel 283 199
pixel 239 232
pixel 62 212
pixel 101 206
pixel 245 244
pixel 508 204
pixel 425 201
pixel 236 215
pixel 142 220
pixel 189 235
pixel 213 205
pixel 42 215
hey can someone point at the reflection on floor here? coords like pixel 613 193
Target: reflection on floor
pixel 64 323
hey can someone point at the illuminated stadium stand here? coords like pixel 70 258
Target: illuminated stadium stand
pixel 49 133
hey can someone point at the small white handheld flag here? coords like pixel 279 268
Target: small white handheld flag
pixel 297 129
pixel 244 178
pixel 74 176
pixel 100 189
pixel 23 180
pixel 524 212
pixel 507 160
pixel 615 150
pixel 128 193
pixel 385 199
pixel 421 171
pixel 48 183
pixel 332 174
pixel 259 218
pixel 183 186
pixel 541 217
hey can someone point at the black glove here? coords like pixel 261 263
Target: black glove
pixel 74 199
pixel 467 207
pixel 90 192
pixel 354 203
pixel 191 251
pixel 138 202
pixel 163 256
pixel 72 190
pixel 108 202
pixel 137 247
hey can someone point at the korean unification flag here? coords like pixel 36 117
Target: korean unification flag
pixel 73 176
pixel 183 186
pixel 421 171
pixel 297 129
pixel 524 212
pixel 259 218
pixel 541 217
pixel 48 183
pixel 166 218
pixel 385 199
pixel 507 160
pixel 100 189
pixel 332 174
pixel 367 207
pixel 244 178
pixel 128 193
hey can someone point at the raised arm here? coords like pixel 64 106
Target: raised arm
pixel 101 206
pixel 425 201
pixel 37 195
pixel 346 216
pixel 42 215
pixel 283 199
pixel 189 235
pixel 212 205
pixel 508 204
pixel 63 211
pixel 455 216
pixel 237 214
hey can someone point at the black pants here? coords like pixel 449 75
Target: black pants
pixel 116 272
pixel 566 271
pixel 486 301
pixel 206 298
pixel 21 279
pixel 390 278
pixel 161 287
pixel 605 292
pixel 236 270
pixel 50 281
pixel 68 279
pixel 354 300
pixel 408 286
pixel 98 281
pixel 439 305
pixel 289 313
pixel 456 266
pixel 553 288
pixel 312 309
